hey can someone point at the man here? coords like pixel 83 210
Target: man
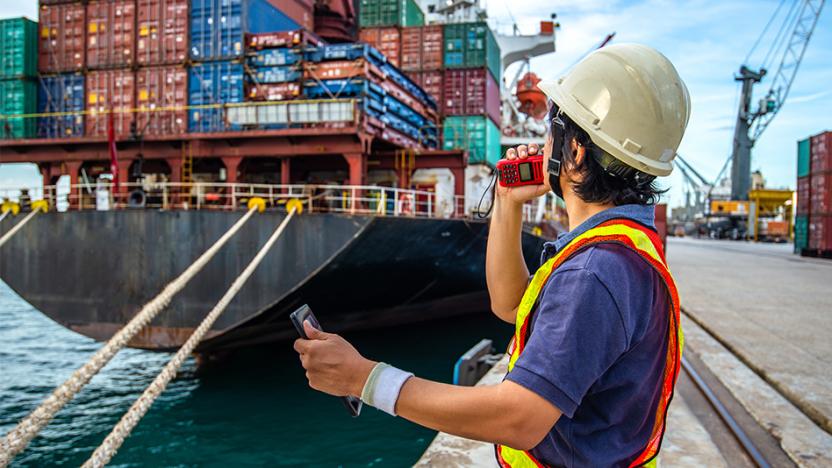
pixel 597 345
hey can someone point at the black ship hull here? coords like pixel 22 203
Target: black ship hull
pixel 92 271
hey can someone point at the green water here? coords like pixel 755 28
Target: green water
pixel 251 409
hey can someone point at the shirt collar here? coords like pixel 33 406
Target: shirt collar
pixel 644 214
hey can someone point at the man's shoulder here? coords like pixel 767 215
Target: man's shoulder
pixel 615 266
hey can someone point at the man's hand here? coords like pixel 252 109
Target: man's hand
pixel 332 365
pixel 522 194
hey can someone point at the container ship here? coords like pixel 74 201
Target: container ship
pixel 155 122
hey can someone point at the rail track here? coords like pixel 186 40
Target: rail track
pixel 737 435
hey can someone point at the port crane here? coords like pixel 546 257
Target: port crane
pixel 792 38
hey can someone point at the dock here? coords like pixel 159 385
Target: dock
pixel 756 320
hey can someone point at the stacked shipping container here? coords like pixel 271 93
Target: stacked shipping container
pixel 165 67
pixel 459 66
pixel 18 91
pixel 813 223
pixel 372 13
pixel 219 32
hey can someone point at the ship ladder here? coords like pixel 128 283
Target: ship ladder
pixel 37 207
pixel 107 450
pixel 18 438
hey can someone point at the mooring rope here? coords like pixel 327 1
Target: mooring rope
pixel 18 438
pixel 3 216
pixel 107 450
pixel 12 232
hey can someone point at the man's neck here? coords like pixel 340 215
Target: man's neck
pixel 579 210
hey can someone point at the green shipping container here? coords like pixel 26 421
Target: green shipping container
pixel 18 48
pixel 477 134
pixel 17 97
pixel 472 45
pixel 803 158
pixel 373 13
pixel 801 233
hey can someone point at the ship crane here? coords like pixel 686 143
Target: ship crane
pixel 696 185
pixel 524 105
pixel 793 37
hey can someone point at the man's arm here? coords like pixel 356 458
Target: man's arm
pixel 506 413
pixel 505 268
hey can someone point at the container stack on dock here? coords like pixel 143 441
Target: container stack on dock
pixel 813 223
pixel 457 64
pixel 18 72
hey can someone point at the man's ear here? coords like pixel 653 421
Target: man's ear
pixel 579 151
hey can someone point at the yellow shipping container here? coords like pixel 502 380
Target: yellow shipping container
pixel 733 207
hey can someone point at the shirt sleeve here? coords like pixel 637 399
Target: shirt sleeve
pixel 577 335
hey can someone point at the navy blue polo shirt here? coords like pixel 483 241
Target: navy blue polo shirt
pixel 597 349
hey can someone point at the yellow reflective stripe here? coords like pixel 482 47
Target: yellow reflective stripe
pixel 516 458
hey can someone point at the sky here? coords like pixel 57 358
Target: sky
pixel 707 40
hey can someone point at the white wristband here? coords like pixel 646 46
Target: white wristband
pixel 383 387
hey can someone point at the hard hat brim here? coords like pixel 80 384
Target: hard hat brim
pixel 589 122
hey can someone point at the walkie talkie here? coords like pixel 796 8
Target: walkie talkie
pixel 519 172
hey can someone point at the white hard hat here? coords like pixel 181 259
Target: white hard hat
pixel 630 100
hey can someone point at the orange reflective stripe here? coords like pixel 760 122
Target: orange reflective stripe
pixel 647 244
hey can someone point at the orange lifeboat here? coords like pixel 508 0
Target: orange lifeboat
pixel 533 101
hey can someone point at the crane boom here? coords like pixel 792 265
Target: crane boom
pixel 751 124
pixel 784 77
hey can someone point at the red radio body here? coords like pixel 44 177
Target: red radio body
pixel 519 172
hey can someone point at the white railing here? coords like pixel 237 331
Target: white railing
pixel 325 198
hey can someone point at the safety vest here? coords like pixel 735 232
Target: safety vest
pixel 647 244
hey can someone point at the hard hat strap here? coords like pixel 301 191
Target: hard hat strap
pixel 556 129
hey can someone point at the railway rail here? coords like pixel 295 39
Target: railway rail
pixel 741 440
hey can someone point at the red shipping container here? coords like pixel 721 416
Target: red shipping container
pixel 161 99
pixel 386 40
pixel 301 12
pixel 820 232
pixel 341 69
pixel 422 48
pixel 111 33
pixel 820 193
pixel 272 40
pixel 62 45
pixel 431 82
pixel 803 196
pixel 273 92
pixel 821 153
pixel 162 32
pixel 110 90
pixel 471 91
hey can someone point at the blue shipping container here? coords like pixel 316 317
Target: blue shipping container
pixel 345 52
pixel 276 74
pixel 61 93
pixel 343 88
pixel 213 83
pixel 408 85
pixel 218 27
pixel 274 57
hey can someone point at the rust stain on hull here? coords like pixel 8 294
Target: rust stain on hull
pixel 150 337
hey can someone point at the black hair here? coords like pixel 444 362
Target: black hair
pixel 604 178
